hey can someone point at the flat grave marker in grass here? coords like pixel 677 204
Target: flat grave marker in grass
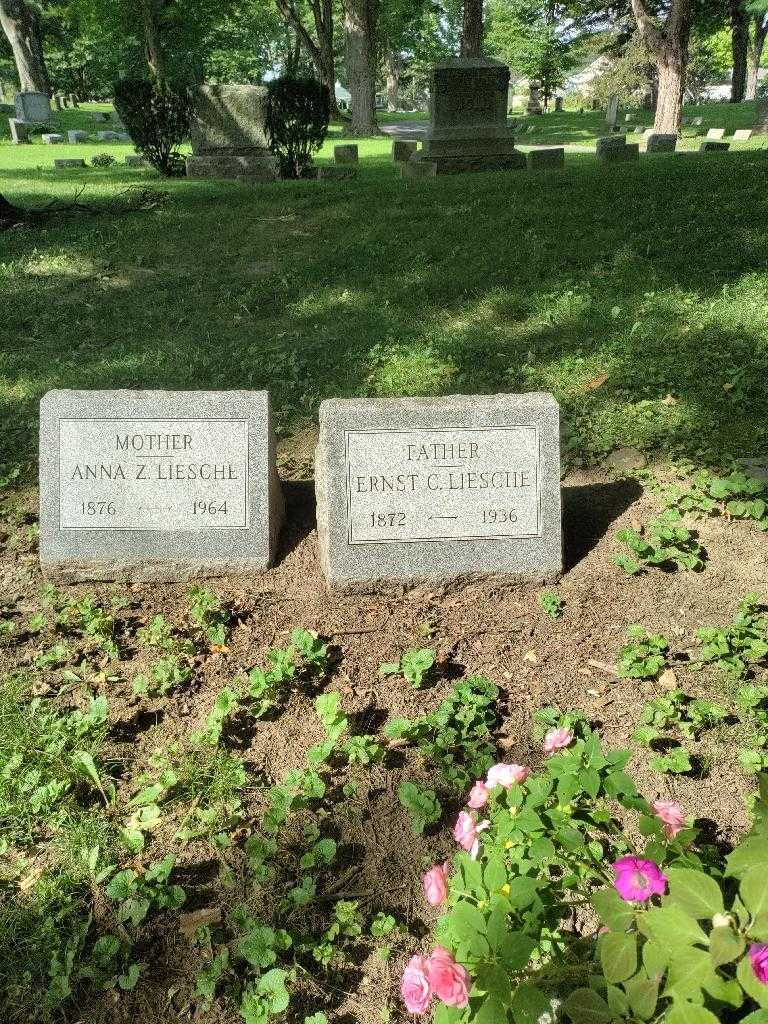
pixel 157 485
pixel 439 488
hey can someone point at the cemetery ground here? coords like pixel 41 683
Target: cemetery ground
pixel 637 295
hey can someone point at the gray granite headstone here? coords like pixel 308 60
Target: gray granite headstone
pixel 402 149
pixel 439 488
pixel 52 138
pixel 229 134
pixel 76 136
pixel 661 142
pixel 68 162
pixel 346 154
pixel 33 106
pixel 552 156
pixel 19 131
pixel 157 485
pixel 713 146
pixel 616 149
pixel 612 110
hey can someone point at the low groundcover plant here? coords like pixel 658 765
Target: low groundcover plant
pixel 553 913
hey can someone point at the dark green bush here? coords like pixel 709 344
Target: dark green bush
pixel 157 119
pixel 297 120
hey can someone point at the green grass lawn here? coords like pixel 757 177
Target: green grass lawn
pixel 637 294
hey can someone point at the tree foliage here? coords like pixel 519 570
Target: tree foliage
pixel 298 110
pixel 157 119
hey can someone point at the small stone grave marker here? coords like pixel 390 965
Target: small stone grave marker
pixel 346 154
pixel 661 142
pixel 615 149
pixel 716 133
pixel 157 485
pixel 135 160
pixel 75 136
pixel 553 156
pixel 402 149
pixel 439 488
pixel 19 131
pixel 52 138
pixel 742 134
pixel 714 147
pixel 68 162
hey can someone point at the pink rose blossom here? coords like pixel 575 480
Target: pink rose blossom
pixel 448 980
pixel 478 795
pixel 671 813
pixel 434 884
pixel 415 988
pixel 758 957
pixel 557 739
pixel 638 880
pixel 465 833
pixel 507 775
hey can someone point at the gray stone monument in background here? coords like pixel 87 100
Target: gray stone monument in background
pixel 415 489
pixel 534 101
pixel 157 485
pixel 228 133
pixel 468 119
pixel 34 107
pixel 19 131
pixel 761 118
pixel 612 112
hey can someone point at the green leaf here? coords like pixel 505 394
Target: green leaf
pixel 529 1004
pixel 584 1006
pixel 669 925
pixel 753 852
pixel 758 1017
pixel 643 994
pixel 495 873
pixel 516 950
pixel 694 892
pixel 690 970
pixel 618 955
pixel 754 891
pixel 724 946
pixel 615 912
pixel 684 1012
pixel 754 988
pixel 492 1011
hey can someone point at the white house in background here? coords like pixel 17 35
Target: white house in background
pixel 581 80
pixel 343 96
pixel 722 90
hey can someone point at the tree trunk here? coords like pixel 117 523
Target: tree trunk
pixel 360 22
pixel 153 47
pixel 472 29
pixel 739 41
pixel 669 46
pixel 21 24
pixel 394 70
pixel 321 52
pixel 755 54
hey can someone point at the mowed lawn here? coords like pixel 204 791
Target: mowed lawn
pixel 637 294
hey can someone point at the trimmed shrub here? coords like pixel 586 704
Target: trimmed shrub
pixel 102 160
pixel 297 121
pixel 157 119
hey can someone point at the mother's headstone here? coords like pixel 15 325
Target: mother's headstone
pixel 438 488
pixel 157 485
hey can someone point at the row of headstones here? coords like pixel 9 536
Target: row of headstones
pixel 62 101
pixel 739 134
pixel 615 148
pixel 403 149
pixel 158 485
pixel 21 133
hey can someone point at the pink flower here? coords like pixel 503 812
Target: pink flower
pixel 557 739
pixel 478 795
pixel 414 988
pixel 507 775
pixel 465 833
pixel 758 956
pixel 434 884
pixel 448 980
pixel 638 879
pixel 671 813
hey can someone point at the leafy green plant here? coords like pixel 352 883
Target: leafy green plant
pixel 209 615
pixel 677 711
pixel 224 707
pixel 102 160
pixel 458 737
pixel 422 805
pixel 306 654
pixel 136 894
pixel 736 495
pixel 165 675
pixel 413 666
pixel 297 121
pixel 157 118
pixel 676 761
pixel 645 657
pixel 664 543
pixel 552 604
pixel 739 647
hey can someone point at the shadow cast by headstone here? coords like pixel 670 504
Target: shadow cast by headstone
pixel 588 513
pixel 300 517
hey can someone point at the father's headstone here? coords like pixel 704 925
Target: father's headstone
pixel 346 154
pixel 403 149
pixel 157 485
pixel 438 488
pixel 229 134
pixel 52 138
pixel 33 106
pixel 712 146
pixel 468 128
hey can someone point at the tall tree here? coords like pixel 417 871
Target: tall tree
pixel 667 40
pixel 20 22
pixel 739 40
pixel 472 29
pixel 319 48
pixel 755 47
pixel 361 50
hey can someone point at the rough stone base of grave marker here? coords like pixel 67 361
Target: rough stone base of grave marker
pixel 247 166
pixel 714 147
pixel 423 489
pixel 157 486
pixel 661 142
pixel 543 158
pixel 403 149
